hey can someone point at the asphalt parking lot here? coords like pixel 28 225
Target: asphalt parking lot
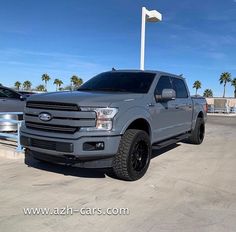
pixel 187 188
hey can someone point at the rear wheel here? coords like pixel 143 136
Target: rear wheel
pixel 133 157
pixel 197 135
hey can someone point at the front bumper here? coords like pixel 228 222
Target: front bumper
pixel 60 147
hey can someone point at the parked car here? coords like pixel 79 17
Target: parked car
pixel 10 101
pixel 26 93
pixel 113 121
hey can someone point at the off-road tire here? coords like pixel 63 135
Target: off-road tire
pixel 132 142
pixel 197 135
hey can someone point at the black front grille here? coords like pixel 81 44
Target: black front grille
pixel 51 128
pixel 49 145
pixel 52 106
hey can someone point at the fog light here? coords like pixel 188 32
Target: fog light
pixel 93 146
pixel 100 145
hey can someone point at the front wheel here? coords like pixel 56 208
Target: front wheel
pixel 133 157
pixel 197 135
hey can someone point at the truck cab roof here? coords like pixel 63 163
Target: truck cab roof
pixel 147 71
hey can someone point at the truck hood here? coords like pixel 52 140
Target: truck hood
pixel 84 98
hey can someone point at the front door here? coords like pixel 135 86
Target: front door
pixel 163 113
pixel 10 101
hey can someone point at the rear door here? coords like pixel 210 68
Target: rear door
pixel 164 113
pixel 183 106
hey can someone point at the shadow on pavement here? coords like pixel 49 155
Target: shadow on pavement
pixel 63 169
pixel 83 172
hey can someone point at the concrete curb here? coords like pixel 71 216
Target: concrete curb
pixel 221 115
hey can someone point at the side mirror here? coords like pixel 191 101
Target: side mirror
pixel 167 94
pixel 22 98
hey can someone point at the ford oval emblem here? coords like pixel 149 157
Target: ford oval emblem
pixel 45 117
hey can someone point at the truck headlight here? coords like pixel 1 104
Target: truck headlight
pixel 104 118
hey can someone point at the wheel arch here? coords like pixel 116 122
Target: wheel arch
pixel 200 115
pixel 138 123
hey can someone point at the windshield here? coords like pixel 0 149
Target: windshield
pixel 139 82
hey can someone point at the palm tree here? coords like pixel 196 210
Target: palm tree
pixel 233 83
pixel 27 85
pixel 67 88
pixel 45 77
pixel 76 81
pixel 79 82
pixel 17 85
pixel 197 85
pixel 73 80
pixel 58 83
pixel 208 93
pixel 40 88
pixel 224 78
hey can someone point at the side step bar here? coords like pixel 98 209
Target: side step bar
pixel 170 141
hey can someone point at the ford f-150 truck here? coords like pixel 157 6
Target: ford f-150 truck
pixel 113 121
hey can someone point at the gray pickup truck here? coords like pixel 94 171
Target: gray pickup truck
pixel 113 121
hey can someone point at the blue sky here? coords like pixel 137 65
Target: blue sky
pixel 66 37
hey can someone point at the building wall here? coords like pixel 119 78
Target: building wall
pixel 231 102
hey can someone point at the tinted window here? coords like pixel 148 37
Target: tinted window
pixel 2 95
pixel 163 83
pixel 180 88
pixel 8 94
pixel 139 82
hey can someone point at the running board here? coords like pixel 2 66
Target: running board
pixel 170 141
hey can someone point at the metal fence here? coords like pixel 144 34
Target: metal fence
pixel 226 109
pixel 15 136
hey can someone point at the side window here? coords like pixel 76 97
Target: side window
pixel 2 95
pixel 163 83
pixel 180 88
pixel 9 94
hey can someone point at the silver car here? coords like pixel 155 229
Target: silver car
pixel 10 101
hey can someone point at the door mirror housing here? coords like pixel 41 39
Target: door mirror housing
pixel 167 94
pixel 22 97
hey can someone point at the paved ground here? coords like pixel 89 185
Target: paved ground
pixel 187 188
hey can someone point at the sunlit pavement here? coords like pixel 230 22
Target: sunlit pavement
pixel 187 188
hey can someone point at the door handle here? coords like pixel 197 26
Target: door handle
pixel 182 106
